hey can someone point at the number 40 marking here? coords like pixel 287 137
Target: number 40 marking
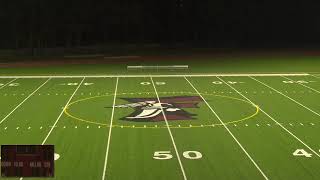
pixel 302 152
pixel 165 155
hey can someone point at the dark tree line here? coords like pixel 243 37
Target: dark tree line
pixel 69 23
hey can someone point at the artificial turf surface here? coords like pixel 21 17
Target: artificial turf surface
pixel 242 128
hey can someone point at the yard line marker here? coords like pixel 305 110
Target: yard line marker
pixel 55 123
pixel 164 75
pixel 24 101
pixel 171 136
pixel 235 139
pixel 8 83
pixel 110 129
pixel 314 76
pixel 303 85
pixel 286 96
pixel 298 139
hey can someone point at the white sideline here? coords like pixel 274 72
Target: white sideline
pixel 286 96
pixel 8 83
pixel 164 75
pixel 271 118
pixel 23 101
pixel 54 125
pixel 110 128
pixel 171 136
pixel 235 139
pixel 302 85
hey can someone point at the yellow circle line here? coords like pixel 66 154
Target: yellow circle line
pixel 156 126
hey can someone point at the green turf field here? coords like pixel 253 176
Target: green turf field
pixel 221 126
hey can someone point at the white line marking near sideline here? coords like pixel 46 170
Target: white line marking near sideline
pixel 302 85
pixel 24 101
pixel 272 118
pixel 286 96
pixel 315 76
pixel 171 136
pixel 8 83
pixel 110 129
pixel 234 138
pixel 148 75
pixel 55 123
pixel 45 139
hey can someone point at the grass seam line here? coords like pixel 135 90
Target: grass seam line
pixel 274 120
pixel 110 129
pixel 232 135
pixel 24 101
pixel 170 133
pixel 286 96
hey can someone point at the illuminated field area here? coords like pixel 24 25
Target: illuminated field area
pixel 209 126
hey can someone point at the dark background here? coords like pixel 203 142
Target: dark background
pixel 199 23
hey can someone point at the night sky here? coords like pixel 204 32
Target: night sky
pixel 216 23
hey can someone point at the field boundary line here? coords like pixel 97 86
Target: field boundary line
pixel 168 127
pixel 286 96
pixel 24 101
pixel 232 135
pixel 293 135
pixel 45 139
pixel 110 129
pixel 8 83
pixel 302 85
pixel 159 75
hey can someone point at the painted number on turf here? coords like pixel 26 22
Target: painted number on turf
pixel 229 82
pixel 300 81
pixel 301 152
pixel 76 84
pixel 157 83
pixel 165 155
pixel 11 85
pixel 162 155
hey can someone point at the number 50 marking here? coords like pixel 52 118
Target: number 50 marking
pixel 165 155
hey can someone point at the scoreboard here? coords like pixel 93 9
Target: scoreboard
pixel 27 161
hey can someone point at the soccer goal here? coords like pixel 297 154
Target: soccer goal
pixel 159 68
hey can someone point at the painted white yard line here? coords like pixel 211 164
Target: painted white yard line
pixel 169 130
pixel 160 75
pixel 234 138
pixel 286 96
pixel 316 76
pixel 303 85
pixel 273 119
pixel 55 123
pixel 8 83
pixel 110 129
pixel 24 101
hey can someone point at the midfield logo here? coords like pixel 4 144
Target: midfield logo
pixel 149 109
